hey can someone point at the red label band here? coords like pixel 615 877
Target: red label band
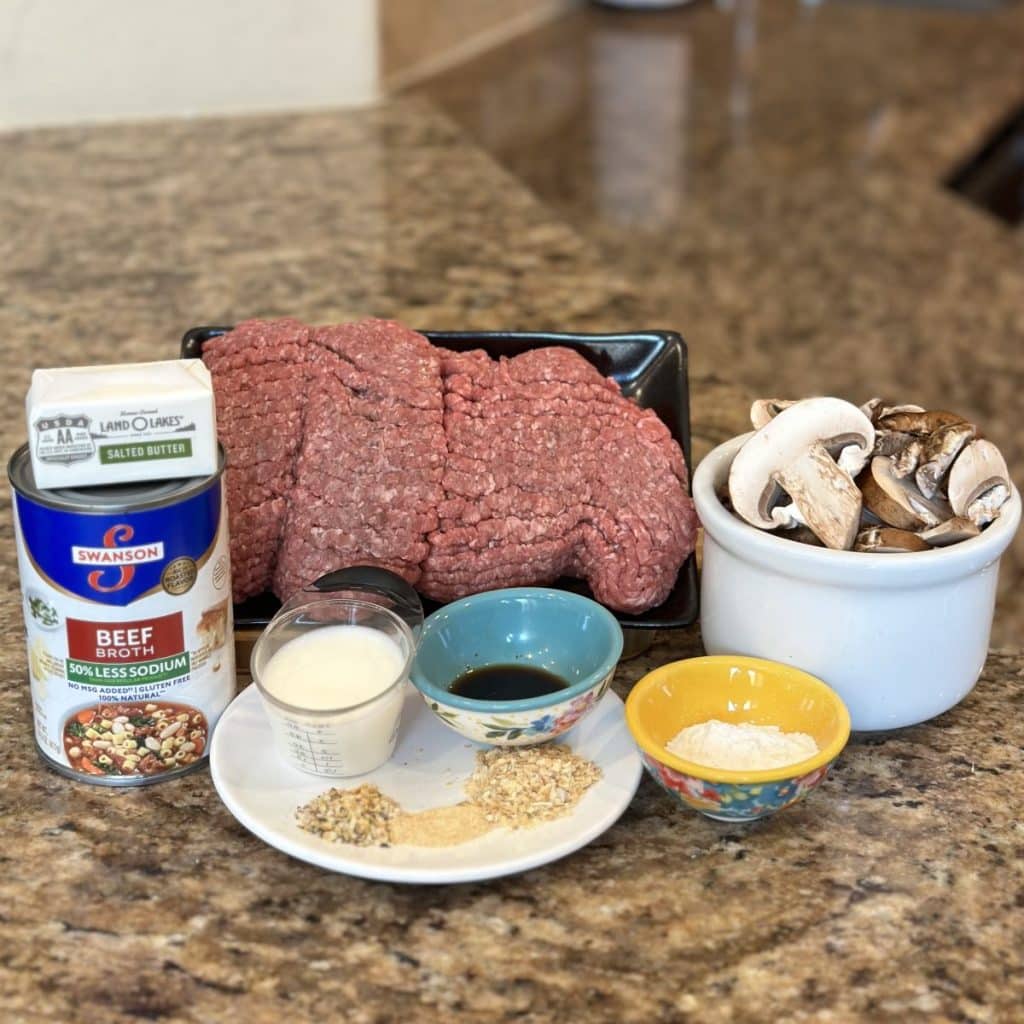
pixel 121 642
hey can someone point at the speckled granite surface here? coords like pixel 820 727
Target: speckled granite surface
pixel 896 892
pixel 769 177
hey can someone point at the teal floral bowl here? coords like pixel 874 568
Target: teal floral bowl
pixel 570 636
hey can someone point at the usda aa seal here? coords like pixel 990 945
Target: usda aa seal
pixel 64 438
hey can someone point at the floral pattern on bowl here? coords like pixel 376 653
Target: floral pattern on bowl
pixel 521 728
pixel 730 801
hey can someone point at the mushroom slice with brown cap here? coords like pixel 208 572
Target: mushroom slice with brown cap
pixel 890 409
pixel 905 461
pixel 952 531
pixel 887 539
pixel 764 410
pixel 897 501
pixel 892 442
pixel 808 452
pixel 938 451
pixel 872 408
pixel 979 483
pixel 918 422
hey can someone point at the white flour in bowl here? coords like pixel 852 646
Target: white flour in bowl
pixel 743 747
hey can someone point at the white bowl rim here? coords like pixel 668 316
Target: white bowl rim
pixel 890 570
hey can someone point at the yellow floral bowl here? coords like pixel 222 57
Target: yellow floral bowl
pixel 737 690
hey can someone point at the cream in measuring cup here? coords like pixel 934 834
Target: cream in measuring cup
pixel 331 668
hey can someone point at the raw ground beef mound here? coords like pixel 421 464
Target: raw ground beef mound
pixel 551 472
pixel 363 443
pixel 260 375
pixel 368 477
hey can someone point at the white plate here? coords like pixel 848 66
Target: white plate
pixel 428 768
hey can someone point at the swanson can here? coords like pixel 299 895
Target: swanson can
pixel 127 600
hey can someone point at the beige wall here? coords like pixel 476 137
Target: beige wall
pixel 64 61
pixel 80 61
pixel 420 37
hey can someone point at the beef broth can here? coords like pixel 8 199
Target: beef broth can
pixel 127 600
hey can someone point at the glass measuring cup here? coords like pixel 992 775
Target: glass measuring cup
pixel 353 737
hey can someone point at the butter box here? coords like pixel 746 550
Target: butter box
pixel 94 425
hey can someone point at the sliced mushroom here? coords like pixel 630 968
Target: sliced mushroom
pixel 803 535
pixel 809 451
pixel 898 502
pixel 979 483
pixel 826 498
pixel 764 410
pixel 869 519
pixel 884 539
pixel 918 422
pixel 872 408
pixel 906 461
pixel 938 451
pixel 952 531
pixel 890 409
pixel 891 442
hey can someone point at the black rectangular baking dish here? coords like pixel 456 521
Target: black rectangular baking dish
pixel 649 366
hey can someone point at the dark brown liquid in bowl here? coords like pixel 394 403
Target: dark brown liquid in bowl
pixel 507 682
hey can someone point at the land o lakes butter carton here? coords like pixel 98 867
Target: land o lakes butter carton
pixel 94 425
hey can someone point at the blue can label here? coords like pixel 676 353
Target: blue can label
pixel 116 559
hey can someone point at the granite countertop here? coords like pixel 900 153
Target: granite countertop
pixel 894 892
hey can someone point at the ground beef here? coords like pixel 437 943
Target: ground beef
pixel 261 378
pixel 368 477
pixel 587 484
pixel 362 443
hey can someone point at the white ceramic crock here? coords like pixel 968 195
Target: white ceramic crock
pixel 900 637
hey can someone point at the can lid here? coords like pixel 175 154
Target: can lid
pixel 110 498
